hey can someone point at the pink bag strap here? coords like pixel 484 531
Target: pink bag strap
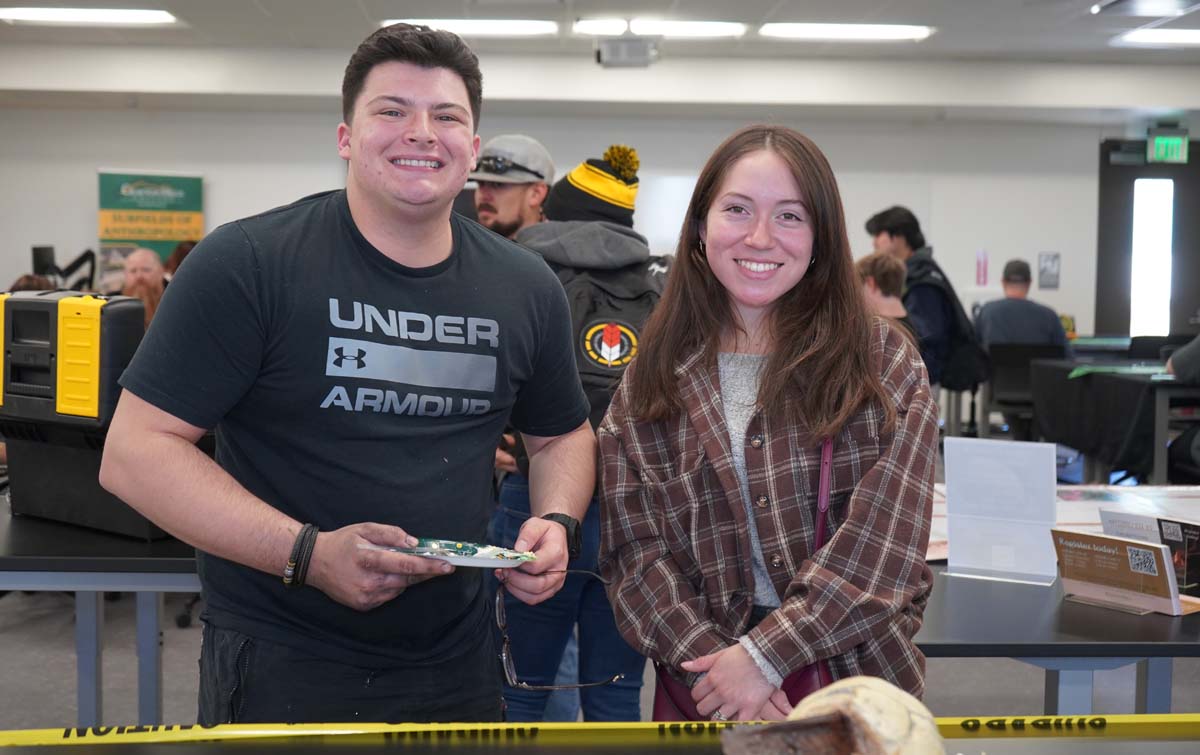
pixel 823 488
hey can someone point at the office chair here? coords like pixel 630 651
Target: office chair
pixel 1009 389
pixel 1152 347
pixel 43 264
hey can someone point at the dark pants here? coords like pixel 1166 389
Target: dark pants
pixel 539 633
pixel 249 680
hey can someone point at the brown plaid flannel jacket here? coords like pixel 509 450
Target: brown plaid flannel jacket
pixel 675 547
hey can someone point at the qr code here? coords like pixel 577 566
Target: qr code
pixel 1172 531
pixel 1141 561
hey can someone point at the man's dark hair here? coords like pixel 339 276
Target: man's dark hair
pixel 1017 271
pixel 898 221
pixel 421 46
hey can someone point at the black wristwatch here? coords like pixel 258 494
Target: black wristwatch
pixel 574 532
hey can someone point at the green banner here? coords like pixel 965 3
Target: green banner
pixel 145 210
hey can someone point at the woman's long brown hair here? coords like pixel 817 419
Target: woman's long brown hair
pixel 819 371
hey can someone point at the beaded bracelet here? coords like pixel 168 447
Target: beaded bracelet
pixel 297 565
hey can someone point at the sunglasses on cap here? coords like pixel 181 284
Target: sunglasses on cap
pixel 499 165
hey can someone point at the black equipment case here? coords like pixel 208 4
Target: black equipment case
pixel 63 354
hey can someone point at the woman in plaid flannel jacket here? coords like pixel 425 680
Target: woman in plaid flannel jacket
pixel 764 267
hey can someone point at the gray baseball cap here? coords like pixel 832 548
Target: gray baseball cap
pixel 514 159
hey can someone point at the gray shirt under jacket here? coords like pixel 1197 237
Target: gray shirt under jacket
pixel 739 374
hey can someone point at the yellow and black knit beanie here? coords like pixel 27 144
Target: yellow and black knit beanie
pixel 603 189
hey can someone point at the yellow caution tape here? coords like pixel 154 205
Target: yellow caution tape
pixel 1178 726
pixel 633 733
pixel 1147 726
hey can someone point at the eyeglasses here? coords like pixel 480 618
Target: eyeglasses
pixel 500 165
pixel 506 660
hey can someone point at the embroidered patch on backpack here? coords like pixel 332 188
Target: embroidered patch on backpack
pixel 609 344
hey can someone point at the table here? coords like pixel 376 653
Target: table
pixel 1118 421
pixel 37 554
pixel 1107 346
pixel 981 618
pixel 977 618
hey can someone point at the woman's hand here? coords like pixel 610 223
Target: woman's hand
pixel 734 685
pixel 777 707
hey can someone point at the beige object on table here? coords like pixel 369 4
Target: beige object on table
pixel 863 715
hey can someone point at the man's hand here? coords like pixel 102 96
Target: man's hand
pixel 530 583
pixel 734 684
pixel 362 578
pixel 505 461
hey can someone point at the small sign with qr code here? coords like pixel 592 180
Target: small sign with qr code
pixel 1130 574
pixel 1183 538
pixel 1141 561
pixel 1171 531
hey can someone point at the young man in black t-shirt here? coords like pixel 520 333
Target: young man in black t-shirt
pixel 359 353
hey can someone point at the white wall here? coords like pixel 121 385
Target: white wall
pixel 1010 189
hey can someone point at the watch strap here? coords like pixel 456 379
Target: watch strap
pixel 574 531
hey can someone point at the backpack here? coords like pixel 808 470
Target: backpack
pixel 608 310
pixel 967 364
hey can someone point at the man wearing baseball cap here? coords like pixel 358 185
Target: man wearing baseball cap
pixel 514 174
pixel 1016 318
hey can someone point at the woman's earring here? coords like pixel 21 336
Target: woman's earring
pixel 811 260
pixel 702 246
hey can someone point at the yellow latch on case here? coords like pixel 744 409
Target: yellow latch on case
pixel 78 383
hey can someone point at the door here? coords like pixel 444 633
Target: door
pixel 1122 163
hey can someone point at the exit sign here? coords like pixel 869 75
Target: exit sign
pixel 1164 148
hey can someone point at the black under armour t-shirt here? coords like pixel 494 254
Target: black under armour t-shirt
pixel 348 388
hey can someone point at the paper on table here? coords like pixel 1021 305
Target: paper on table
pixel 1081 507
pixel 1000 504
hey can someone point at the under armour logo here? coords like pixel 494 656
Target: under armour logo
pixel 359 357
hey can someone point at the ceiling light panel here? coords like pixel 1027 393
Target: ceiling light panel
pixel 86 16
pixel 601 27
pixel 657 27
pixel 847 32
pixel 485 27
pixel 1172 37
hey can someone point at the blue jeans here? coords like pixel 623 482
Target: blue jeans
pixel 563 704
pixel 539 633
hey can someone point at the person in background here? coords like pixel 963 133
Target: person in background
pixel 512 179
pixel 1016 318
pixel 882 277
pixel 1184 363
pixel 897 232
pixel 1183 455
pixel 176 258
pixel 710 454
pixel 144 279
pixel 604 265
pixel 513 176
pixel 32 282
pixel 359 351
